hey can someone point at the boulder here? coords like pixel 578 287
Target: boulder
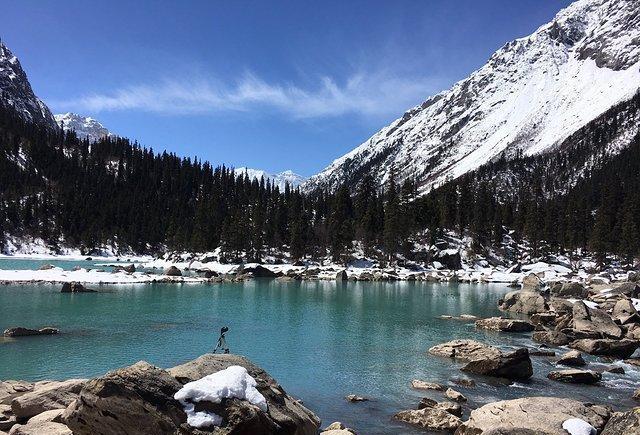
pixel 172 271
pixel 454 395
pixel 422 385
pixel 75 287
pixel 625 312
pixel 572 358
pixel 628 289
pixel 606 347
pixel 46 267
pixel 623 423
pixel 504 325
pixel 593 322
pixel 19 331
pixel 513 366
pixel 259 271
pixel 283 410
pixel 449 258
pixel 46 396
pixel 355 398
pixel 523 302
pixel 553 338
pixel 543 319
pixel 337 428
pixel 465 350
pixel 342 276
pixel 11 389
pixel 570 290
pixel 431 419
pixel 575 376
pixel 531 415
pixel 531 282
pixel 40 428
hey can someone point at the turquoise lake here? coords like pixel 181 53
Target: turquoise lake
pixel 320 340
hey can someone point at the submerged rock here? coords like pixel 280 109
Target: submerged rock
pixel 575 376
pixel 355 398
pixel 19 331
pixel 465 350
pixel 504 325
pixel 531 415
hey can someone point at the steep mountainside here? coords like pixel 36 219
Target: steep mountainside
pixel 16 91
pixel 530 96
pixel 280 179
pixel 84 126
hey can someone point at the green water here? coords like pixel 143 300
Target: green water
pixel 321 340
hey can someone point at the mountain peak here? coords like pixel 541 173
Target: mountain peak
pixel 16 91
pixel 280 179
pixel 530 95
pixel 84 126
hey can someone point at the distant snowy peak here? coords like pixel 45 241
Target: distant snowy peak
pixel 531 94
pixel 16 91
pixel 279 179
pixel 84 126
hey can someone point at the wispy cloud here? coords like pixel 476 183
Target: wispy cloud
pixel 364 94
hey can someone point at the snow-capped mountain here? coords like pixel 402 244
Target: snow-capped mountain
pixel 280 179
pixel 84 126
pixel 531 94
pixel 16 91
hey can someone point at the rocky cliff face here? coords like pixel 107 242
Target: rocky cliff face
pixel 16 91
pixel 531 94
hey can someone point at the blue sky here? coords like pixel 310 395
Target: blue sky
pixel 272 85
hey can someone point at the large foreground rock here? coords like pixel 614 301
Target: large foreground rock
pixel 514 365
pixel 531 416
pixel 607 347
pixel 504 325
pixel 140 400
pixel 46 396
pixel 433 419
pixel 627 423
pixel 523 302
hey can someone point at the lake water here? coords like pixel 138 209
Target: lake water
pixel 320 340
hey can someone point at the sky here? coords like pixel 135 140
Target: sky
pixel 273 85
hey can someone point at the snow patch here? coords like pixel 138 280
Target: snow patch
pixel 232 382
pixel 577 426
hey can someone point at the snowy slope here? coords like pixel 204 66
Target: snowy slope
pixel 84 126
pixel 531 94
pixel 16 91
pixel 279 179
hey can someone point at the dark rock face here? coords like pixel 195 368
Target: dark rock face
pixel 19 331
pixel 450 259
pixel 575 376
pixel 173 271
pixel 260 272
pixel 607 347
pixel 623 423
pixel 504 325
pixel 342 276
pixel 514 366
pixel 74 287
pixel 570 290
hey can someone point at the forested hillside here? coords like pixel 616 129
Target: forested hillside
pixel 74 193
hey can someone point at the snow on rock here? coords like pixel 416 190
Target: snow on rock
pixel 577 426
pixel 84 126
pixel 232 382
pixel 531 94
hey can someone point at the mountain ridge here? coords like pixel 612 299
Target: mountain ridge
pixel 531 94
pixel 84 126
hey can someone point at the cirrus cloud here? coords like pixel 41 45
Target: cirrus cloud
pixel 376 94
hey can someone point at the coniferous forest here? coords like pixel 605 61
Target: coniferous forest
pixel 114 192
